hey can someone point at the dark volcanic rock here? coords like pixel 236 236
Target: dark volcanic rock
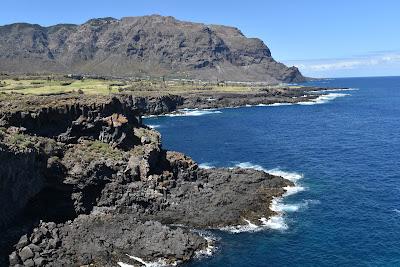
pixel 97 186
pixel 104 240
pixel 223 197
pixel 141 46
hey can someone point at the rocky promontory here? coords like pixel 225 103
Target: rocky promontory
pixel 84 182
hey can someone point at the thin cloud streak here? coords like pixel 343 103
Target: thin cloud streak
pixel 364 64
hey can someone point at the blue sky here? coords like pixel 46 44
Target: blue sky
pixel 324 38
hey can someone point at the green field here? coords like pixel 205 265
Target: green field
pixel 44 86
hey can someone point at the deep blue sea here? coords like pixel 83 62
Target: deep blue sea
pixel 346 148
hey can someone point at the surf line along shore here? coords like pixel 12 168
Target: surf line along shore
pixel 86 182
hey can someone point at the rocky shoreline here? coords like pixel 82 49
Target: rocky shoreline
pixel 85 182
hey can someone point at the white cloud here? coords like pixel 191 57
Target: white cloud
pixel 335 67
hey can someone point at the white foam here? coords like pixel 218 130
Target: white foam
pixel 154 126
pixel 338 90
pixel 291 190
pixel 322 99
pixel 276 222
pixel 396 210
pixel 249 165
pixel 291 176
pixel 206 165
pixel 249 227
pixel 158 263
pixel 269 105
pixel 186 112
pixel 193 112
pixel 278 206
pixel 210 249
pixel 280 104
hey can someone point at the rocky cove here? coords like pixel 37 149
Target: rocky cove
pixel 84 182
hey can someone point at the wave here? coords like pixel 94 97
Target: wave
pixel 186 112
pixel 193 112
pixel 322 99
pixel 269 105
pixel 211 248
pixel 276 222
pixel 291 176
pixel 235 229
pixel 206 165
pixel 333 90
pixel 275 104
pixel 154 126
pixel 279 104
pixel 249 165
pixel 206 252
pixel 278 206
pixel 158 263
pixel 341 89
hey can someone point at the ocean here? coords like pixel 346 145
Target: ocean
pixel 344 152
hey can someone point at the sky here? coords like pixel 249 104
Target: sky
pixel 324 38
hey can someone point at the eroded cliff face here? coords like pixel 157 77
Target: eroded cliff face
pixel 21 180
pixel 85 182
pixel 141 46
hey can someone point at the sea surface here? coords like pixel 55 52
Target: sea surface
pixel 345 147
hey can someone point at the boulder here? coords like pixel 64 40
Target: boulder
pixel 26 253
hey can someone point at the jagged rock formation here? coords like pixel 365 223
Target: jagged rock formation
pixel 141 46
pixel 84 182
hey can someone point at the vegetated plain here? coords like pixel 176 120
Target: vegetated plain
pixel 44 85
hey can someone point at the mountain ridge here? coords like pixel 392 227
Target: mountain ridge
pixel 141 46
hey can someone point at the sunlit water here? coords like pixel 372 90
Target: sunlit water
pixel 346 148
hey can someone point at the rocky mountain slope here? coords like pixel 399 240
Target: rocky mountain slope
pixel 141 46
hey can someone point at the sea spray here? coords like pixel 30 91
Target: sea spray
pixel 154 126
pixel 322 99
pixel 211 244
pixel 192 112
pixel 158 263
pixel 186 112
pixel 206 165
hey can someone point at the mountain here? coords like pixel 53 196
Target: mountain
pixel 141 46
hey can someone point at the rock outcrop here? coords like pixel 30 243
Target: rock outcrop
pixel 83 182
pixel 141 46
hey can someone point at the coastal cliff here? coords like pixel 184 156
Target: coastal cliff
pixel 83 182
